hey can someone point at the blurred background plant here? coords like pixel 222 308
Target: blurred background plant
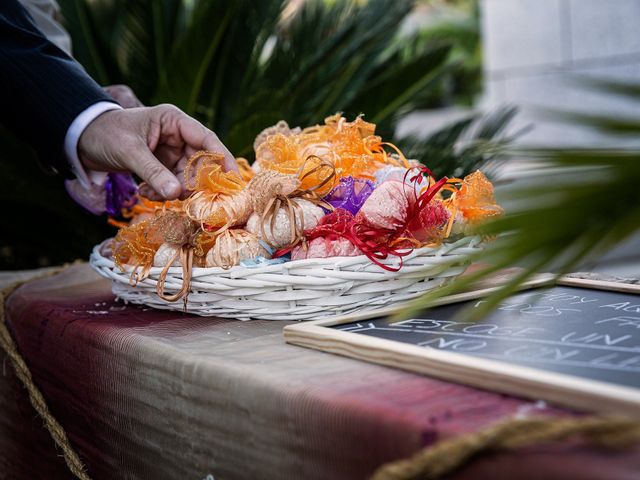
pixel 240 66
pixel 573 207
pixel 457 23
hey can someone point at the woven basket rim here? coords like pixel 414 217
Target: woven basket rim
pixel 96 255
pixel 297 290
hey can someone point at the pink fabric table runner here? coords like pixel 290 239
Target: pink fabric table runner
pixel 147 394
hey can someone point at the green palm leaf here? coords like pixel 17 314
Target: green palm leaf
pixel 583 203
pixel 208 57
pixel 141 41
pixel 473 142
pixel 92 51
pixel 194 54
pixel 398 90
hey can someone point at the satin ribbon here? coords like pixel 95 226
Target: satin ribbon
pixel 186 261
pixel 378 243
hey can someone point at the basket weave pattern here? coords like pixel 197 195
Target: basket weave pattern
pixel 308 289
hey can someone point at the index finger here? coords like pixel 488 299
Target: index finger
pixel 200 137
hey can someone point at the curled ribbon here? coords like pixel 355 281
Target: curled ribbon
pixel 379 243
pixel 181 233
pixel 325 172
pixel 137 244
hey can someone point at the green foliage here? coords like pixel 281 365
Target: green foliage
pixel 581 204
pixel 461 30
pixel 463 146
pixel 239 66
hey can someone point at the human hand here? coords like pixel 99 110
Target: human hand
pixel 152 142
pixel 123 95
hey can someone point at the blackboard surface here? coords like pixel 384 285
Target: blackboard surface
pixel 582 332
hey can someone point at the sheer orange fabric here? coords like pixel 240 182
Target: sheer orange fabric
pixel 246 172
pixel 132 247
pixel 475 199
pixel 351 147
pixel 217 201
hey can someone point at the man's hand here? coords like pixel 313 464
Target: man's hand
pixel 123 95
pixel 152 142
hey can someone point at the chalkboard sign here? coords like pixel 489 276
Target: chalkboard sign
pixel 576 343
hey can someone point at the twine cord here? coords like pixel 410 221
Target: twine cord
pixel 21 369
pixel 448 455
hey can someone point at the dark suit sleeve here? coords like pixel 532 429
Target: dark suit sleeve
pixel 42 90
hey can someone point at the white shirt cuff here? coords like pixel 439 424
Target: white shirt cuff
pixel 72 137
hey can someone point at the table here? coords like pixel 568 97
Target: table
pixel 146 394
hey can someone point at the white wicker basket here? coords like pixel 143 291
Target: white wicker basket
pixel 299 290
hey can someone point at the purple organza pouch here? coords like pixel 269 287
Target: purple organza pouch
pixel 121 189
pixel 350 194
pixel 118 191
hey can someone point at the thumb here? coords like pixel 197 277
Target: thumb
pixel 149 168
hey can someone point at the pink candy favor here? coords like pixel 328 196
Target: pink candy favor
pixel 323 247
pixel 387 206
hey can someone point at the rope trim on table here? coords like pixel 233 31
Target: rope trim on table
pixel 7 343
pixel 448 455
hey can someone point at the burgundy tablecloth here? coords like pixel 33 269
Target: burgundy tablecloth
pixel 146 394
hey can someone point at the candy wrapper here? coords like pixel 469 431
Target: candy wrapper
pixel 284 226
pixel 399 174
pixel 475 199
pixel 388 205
pixel 115 193
pixel 324 247
pixel 218 198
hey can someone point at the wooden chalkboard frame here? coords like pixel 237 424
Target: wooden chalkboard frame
pixel 561 389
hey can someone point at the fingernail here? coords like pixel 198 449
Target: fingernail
pixel 170 189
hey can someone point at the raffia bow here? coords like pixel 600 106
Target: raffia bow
pixel 325 171
pixel 180 232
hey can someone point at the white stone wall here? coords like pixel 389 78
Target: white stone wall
pixel 536 50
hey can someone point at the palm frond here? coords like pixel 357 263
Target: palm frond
pixel 327 46
pixel 581 204
pixel 239 63
pixel 194 54
pixel 142 41
pixel 465 145
pixel 209 57
pixel 80 18
pixel 463 33
pixel 322 58
pixel 401 88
